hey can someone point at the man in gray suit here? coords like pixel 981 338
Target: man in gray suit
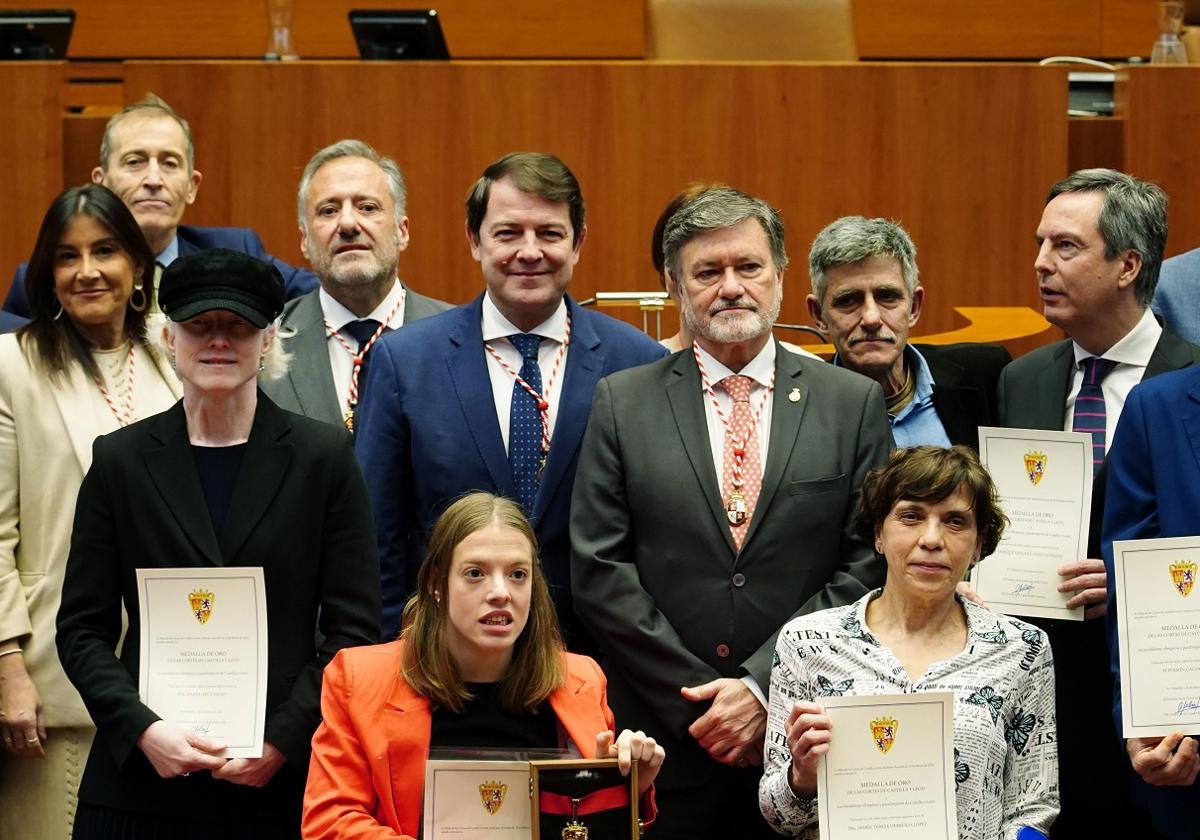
pixel 1100 245
pixel 714 501
pixel 350 206
pixel 1176 295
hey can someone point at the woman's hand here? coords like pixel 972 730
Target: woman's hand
pixel 808 732
pixel 176 752
pixel 253 772
pixel 630 747
pixel 21 726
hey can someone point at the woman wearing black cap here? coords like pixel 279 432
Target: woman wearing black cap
pixel 224 478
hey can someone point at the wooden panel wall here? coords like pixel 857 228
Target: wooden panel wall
pixel 31 152
pixel 1161 106
pixel 962 155
pixel 991 29
pixel 238 28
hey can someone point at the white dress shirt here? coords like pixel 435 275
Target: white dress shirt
pixel 341 363
pixel 761 369
pixel 1132 353
pixel 496 330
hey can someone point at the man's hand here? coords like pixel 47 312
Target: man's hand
pixel 808 733
pixel 1172 760
pixel 176 752
pixel 22 729
pixel 253 772
pixel 1088 580
pixel 733 727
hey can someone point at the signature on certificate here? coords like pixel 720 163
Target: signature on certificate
pixel 1186 707
pixel 1021 589
pixel 201 728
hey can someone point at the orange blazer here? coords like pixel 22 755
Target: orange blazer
pixel 367 773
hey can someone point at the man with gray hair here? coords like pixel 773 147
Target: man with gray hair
pixel 148 159
pixel 350 206
pixel 1100 245
pixel 714 501
pixel 865 299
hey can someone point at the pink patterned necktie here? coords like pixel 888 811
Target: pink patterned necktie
pixel 741 438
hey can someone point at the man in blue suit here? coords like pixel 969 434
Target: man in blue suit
pixel 493 395
pixel 1154 491
pixel 147 158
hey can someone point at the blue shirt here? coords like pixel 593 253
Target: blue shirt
pixel 918 422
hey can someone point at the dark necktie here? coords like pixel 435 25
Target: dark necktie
pixel 525 423
pixel 361 331
pixel 1089 405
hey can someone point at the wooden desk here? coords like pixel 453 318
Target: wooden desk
pixel 962 155
pixel 31 152
pixel 238 28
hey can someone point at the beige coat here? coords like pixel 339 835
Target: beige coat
pixel 46 434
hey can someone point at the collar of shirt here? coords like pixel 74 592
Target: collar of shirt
pixel 760 368
pixel 339 316
pixel 169 254
pixel 923 393
pixel 1135 348
pixel 495 325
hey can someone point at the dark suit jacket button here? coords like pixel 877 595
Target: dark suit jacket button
pixel 739 580
pixel 722 651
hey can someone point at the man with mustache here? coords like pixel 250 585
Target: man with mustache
pixel 865 299
pixel 147 158
pixel 350 205
pixel 494 395
pixel 1100 246
pixel 714 501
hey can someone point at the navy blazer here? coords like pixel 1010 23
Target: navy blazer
pixel 296 281
pixel 1154 491
pixel 427 433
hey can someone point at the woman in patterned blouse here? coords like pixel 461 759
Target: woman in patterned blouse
pixel 933 513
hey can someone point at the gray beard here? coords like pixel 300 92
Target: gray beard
pixel 744 329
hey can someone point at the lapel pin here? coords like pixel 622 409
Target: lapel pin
pixel 794 395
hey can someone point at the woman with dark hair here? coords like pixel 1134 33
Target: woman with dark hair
pixel 79 369
pixel 933 513
pixel 480 663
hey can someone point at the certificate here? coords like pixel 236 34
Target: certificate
pixel 488 800
pixel 889 772
pixel 1158 635
pixel 203 661
pixel 1044 480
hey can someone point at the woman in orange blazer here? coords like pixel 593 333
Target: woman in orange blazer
pixel 480 663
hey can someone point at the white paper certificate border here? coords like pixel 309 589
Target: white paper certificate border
pixel 891 705
pixel 1125 556
pixel 443 773
pixel 196 577
pixel 1047 439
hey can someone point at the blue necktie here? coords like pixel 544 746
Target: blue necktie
pixel 1089 405
pixel 361 331
pixel 525 423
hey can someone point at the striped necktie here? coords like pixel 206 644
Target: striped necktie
pixel 1089 405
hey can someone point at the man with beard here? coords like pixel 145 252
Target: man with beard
pixel 714 502
pixel 865 299
pixel 350 206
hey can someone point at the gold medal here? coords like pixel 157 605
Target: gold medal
pixel 575 830
pixel 348 421
pixel 735 508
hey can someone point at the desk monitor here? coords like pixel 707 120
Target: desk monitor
pixel 35 34
pixel 397 35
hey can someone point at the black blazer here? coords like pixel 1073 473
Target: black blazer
pixel 964 386
pixel 299 510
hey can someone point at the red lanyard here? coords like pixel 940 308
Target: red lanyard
pixel 542 399
pixel 357 356
pixel 605 799
pixel 739 447
pixel 124 414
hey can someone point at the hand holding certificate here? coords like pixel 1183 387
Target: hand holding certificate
pixel 889 771
pixel 204 653
pixel 1044 480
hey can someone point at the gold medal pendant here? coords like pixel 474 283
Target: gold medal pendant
pixel 348 421
pixel 735 508
pixel 575 830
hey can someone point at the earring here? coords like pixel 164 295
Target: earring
pixel 262 364
pixel 138 290
pixel 59 314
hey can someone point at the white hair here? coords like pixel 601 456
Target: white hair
pixel 275 363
